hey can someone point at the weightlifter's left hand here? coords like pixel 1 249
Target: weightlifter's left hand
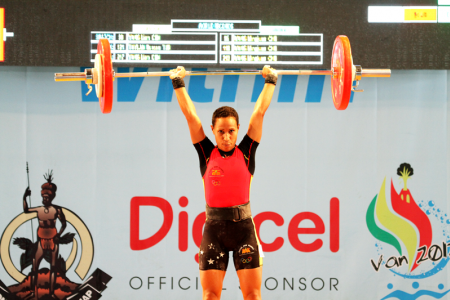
pixel 268 70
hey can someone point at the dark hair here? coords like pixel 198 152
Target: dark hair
pixel 225 112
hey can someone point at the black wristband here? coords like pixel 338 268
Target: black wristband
pixel 271 78
pixel 177 83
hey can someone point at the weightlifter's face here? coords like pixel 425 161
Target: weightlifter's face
pixel 225 131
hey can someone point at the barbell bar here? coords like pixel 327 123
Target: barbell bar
pixel 81 76
pixel 343 73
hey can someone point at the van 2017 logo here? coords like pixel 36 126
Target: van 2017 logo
pixel 43 283
pixel 408 244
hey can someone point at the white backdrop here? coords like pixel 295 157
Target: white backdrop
pixel 309 153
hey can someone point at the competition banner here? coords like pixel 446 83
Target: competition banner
pixel 346 204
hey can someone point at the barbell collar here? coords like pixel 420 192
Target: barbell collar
pixel 89 76
pixel 376 73
pixel 78 76
pixel 358 73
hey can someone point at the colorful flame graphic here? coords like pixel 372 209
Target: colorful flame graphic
pixel 407 212
pixel 412 212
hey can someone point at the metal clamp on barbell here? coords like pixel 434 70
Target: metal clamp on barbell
pixel 356 78
pixel 88 79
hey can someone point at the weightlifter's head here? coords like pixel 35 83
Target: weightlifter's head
pixel 225 127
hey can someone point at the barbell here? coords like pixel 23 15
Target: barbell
pixel 343 74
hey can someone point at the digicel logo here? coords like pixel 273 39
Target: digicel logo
pixel 294 231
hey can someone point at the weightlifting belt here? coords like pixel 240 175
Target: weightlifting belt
pixel 234 213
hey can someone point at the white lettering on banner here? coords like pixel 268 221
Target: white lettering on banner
pixel 87 295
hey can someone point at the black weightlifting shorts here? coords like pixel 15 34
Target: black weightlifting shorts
pixel 222 236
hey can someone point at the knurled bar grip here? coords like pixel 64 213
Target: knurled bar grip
pixel 376 73
pixel 81 76
pixel 78 76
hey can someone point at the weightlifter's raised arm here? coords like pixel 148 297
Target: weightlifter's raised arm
pixel 262 104
pixel 186 105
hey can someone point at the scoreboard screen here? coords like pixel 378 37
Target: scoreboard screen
pixel 300 49
pixel 286 34
pixel 159 48
pixel 206 42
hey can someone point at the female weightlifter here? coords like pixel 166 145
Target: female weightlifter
pixel 227 172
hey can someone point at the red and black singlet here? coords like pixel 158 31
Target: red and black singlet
pixel 227 175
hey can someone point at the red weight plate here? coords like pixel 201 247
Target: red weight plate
pixel 341 81
pixel 106 100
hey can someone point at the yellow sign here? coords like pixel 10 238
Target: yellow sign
pixel 420 14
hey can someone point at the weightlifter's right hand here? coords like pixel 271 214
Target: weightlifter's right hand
pixel 178 72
